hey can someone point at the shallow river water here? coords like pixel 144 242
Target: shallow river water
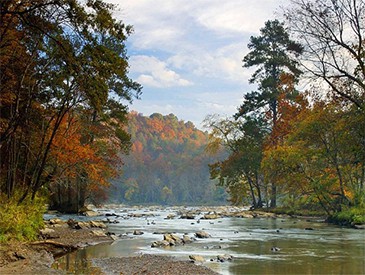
pixel 306 246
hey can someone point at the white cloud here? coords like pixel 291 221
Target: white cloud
pixel 192 47
pixel 236 16
pixel 188 32
pixel 155 73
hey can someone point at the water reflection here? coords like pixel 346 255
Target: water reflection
pixel 78 262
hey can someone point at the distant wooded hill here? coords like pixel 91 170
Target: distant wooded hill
pixel 167 164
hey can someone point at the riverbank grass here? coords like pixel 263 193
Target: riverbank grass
pixel 21 222
pixel 350 216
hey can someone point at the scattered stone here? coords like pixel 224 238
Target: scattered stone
pixel 359 226
pixel 308 228
pixel 46 232
pixel 90 213
pixel 224 258
pixel 111 215
pixel 275 249
pixel 210 216
pixel 136 215
pixel 97 224
pixel 170 217
pixel 19 255
pixel 187 216
pixel 56 221
pixel 186 239
pixel 169 239
pixel 202 234
pixel 114 237
pixel 160 244
pixel 99 233
pixel 177 239
pixel 173 239
pixel 137 232
pixel 160 232
pixel 196 258
pixel 78 224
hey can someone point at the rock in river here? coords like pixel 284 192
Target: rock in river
pixel 202 234
pixel 225 257
pixel 211 216
pixel 137 232
pixel 160 244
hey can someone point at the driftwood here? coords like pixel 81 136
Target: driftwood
pixel 58 249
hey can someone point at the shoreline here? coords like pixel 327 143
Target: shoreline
pixel 60 238
pixel 55 240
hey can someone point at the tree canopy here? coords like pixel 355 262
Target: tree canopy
pixel 64 77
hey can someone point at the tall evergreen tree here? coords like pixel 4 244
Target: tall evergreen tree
pixel 272 53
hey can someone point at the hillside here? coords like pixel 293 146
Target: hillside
pixel 167 164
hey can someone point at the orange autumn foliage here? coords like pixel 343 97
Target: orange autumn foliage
pixel 72 157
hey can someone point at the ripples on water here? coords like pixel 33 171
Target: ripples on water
pixel 324 250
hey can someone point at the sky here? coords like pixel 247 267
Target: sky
pixel 187 54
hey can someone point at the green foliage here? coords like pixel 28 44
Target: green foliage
pixel 240 171
pixel 21 221
pixel 350 216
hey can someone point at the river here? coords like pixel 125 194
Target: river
pixel 306 246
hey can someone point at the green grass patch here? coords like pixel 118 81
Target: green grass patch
pixel 21 222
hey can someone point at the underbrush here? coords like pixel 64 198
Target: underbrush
pixel 21 222
pixel 350 216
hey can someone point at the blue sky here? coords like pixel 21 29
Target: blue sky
pixel 187 54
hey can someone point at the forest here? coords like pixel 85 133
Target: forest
pixel 296 143
pixel 168 164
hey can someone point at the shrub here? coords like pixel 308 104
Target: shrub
pixel 350 216
pixel 21 221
